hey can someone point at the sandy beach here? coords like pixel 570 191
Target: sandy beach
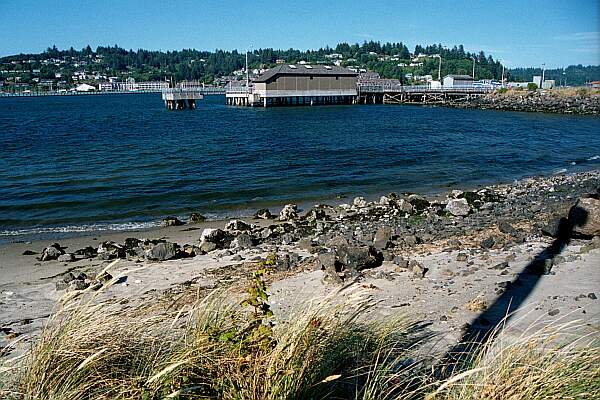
pixel 456 273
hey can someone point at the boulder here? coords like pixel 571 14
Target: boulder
pixel 417 269
pixel 237 225
pixel 243 241
pixel 316 214
pixel 110 250
pixel 584 217
pixel 196 218
pixel 458 207
pixel 326 262
pixel 87 252
pixel 401 263
pixel 51 252
pixel 359 257
pixel 67 257
pixel 382 238
pixel 289 213
pixel 216 236
pixel 359 202
pixel 171 221
pixel 263 213
pixel 207 247
pixel 405 206
pixel 162 251
pixel 418 202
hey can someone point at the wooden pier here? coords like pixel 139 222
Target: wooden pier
pixel 185 98
pixel 423 94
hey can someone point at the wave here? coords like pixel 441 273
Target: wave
pixel 127 226
pixel 560 171
pixel 594 158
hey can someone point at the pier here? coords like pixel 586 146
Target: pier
pixel 422 94
pixel 184 98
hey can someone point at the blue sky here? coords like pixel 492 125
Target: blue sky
pixel 522 33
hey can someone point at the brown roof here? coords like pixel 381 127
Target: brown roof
pixel 305 70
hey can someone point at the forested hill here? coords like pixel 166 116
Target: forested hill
pixel 573 75
pixel 391 60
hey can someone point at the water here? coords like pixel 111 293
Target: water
pixel 88 163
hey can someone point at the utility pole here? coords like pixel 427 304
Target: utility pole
pixel 502 83
pixel 473 58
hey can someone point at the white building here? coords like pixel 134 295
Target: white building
pixel 84 87
pixel 452 81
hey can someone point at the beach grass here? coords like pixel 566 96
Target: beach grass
pixel 219 347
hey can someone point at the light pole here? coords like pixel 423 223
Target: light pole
pixel 565 79
pixel 247 72
pixel 439 67
pixel 473 58
pixel 543 74
pixel 502 77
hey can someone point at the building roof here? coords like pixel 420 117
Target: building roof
pixel 460 77
pixel 305 69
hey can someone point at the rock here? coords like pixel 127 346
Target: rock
pixel 104 277
pixel 382 238
pixel 67 257
pixel 540 266
pixel 462 257
pixel 171 221
pixel 237 257
pixel 243 241
pixel 68 277
pixel 458 207
pixel 584 217
pixel 359 202
pixel 110 250
pixel 591 245
pixel 218 237
pixel 287 261
pixel 488 243
pixel 316 214
pixel 196 218
pixel 508 229
pixel 557 227
pixel 553 312
pixel 88 252
pixel 384 201
pixel 592 296
pixel 289 213
pixel 265 233
pixel 162 251
pixel 417 269
pixel 405 206
pixel 359 257
pixel 77 284
pixel 306 244
pixel 263 213
pixel 418 202
pixel 207 247
pixel 326 263
pixel 237 225
pixel 60 285
pixel 51 252
pixel 29 253
pixel 401 263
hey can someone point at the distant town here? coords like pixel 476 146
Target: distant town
pixel 113 69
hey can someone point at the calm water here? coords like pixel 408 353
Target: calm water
pixel 121 161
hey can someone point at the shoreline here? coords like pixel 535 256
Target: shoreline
pixel 59 233
pixel 449 266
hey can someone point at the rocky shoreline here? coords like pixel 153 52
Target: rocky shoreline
pixel 535 101
pixel 402 244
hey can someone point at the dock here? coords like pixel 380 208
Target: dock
pixel 185 98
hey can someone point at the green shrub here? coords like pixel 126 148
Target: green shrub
pixel 532 86
pixel 502 90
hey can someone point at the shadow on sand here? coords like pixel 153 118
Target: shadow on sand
pixel 484 326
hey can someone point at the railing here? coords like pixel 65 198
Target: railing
pixel 74 93
pixel 239 90
pixel 199 89
pixel 423 89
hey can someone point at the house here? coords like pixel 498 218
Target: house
pixel 84 87
pixel 452 81
pixel 595 84
pixel 299 84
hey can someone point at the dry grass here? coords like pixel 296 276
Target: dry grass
pixel 97 350
pixel 536 365
pixel 214 349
